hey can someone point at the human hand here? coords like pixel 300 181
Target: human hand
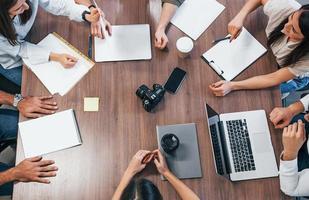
pixel 221 88
pixel 293 138
pixel 306 117
pixel 161 39
pixel 96 26
pixel 281 117
pixel 235 27
pixel 160 162
pixel 136 165
pixel 67 61
pixel 34 107
pixel 34 170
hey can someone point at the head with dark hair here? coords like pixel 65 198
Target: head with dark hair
pixel 296 28
pixel 10 9
pixel 141 189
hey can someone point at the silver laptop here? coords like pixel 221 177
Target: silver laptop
pixel 241 145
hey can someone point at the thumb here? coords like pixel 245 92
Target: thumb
pixel 156 162
pixel 219 83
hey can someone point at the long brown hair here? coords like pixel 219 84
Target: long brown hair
pixel 303 48
pixel 6 22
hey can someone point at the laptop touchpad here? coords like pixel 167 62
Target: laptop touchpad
pixel 260 142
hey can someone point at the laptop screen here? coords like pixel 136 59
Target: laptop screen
pixel 218 141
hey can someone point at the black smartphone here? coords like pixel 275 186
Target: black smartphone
pixel 175 80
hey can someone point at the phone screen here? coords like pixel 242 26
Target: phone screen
pixel 175 80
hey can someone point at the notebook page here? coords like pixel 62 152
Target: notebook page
pixel 128 42
pixel 50 133
pixel 193 17
pixel 236 56
pixel 53 75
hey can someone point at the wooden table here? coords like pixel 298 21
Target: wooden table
pixel 122 127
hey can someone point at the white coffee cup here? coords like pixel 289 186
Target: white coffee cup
pixel 184 46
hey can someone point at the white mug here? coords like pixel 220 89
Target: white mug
pixel 184 46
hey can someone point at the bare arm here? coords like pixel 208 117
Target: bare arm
pixel 168 12
pixel 235 26
pixel 222 88
pixel 6 98
pixel 264 81
pixel 183 191
pixel 84 2
pixel 124 182
pixel 6 176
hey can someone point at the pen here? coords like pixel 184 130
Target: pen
pixel 90 46
pixel 103 25
pixel 221 39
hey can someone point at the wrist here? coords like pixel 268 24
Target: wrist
pixel 11 175
pixel 287 156
pixel 54 57
pixel 161 27
pixel 234 85
pixel 129 173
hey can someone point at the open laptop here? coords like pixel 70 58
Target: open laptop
pixel 241 145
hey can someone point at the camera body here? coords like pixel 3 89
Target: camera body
pixel 150 98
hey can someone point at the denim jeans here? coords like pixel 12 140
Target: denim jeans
pixel 6 189
pixel 13 75
pixel 294 85
pixel 8 123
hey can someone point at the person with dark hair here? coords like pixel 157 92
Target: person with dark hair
pixel 16 19
pixel 288 37
pixel 142 189
pixel 169 8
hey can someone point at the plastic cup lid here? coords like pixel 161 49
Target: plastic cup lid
pixel 184 44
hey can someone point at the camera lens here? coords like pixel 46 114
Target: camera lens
pixel 140 92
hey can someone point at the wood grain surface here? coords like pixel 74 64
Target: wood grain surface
pixel 121 127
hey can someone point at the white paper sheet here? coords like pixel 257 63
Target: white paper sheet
pixel 49 134
pixel 128 42
pixel 53 75
pixel 193 17
pixel 232 58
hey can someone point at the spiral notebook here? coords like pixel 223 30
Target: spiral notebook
pixel 229 59
pixel 53 75
pixel 50 133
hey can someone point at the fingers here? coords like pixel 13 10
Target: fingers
pixel 234 31
pixel 306 117
pixel 49 168
pixel 33 115
pixel 35 159
pixel 48 107
pixel 44 163
pixel 71 58
pixel 109 28
pixel 42 180
pixel 300 129
pixel 45 97
pixel 285 131
pixel 44 111
pixel 47 174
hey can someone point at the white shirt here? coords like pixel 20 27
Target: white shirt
pixel 292 182
pixel 11 56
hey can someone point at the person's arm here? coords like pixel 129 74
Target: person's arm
pixel 134 167
pixel 222 88
pixel 292 182
pixel 235 26
pixel 6 99
pixel 183 191
pixel 168 10
pixel 30 170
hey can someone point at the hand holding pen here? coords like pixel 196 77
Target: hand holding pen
pixel 102 28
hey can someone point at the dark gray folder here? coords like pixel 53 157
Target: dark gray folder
pixel 184 162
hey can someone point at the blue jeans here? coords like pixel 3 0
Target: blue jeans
pixel 6 189
pixel 294 85
pixel 8 123
pixel 13 75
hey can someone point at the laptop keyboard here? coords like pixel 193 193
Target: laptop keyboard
pixel 215 141
pixel 240 145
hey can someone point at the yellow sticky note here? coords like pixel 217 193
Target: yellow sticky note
pixel 91 104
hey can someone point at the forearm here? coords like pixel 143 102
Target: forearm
pixel 6 98
pixel 184 192
pixel 125 180
pixel 168 12
pixel 7 176
pixel 250 6
pixel 84 2
pixel 263 81
pixel 296 108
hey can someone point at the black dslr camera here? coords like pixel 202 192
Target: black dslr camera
pixel 149 97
